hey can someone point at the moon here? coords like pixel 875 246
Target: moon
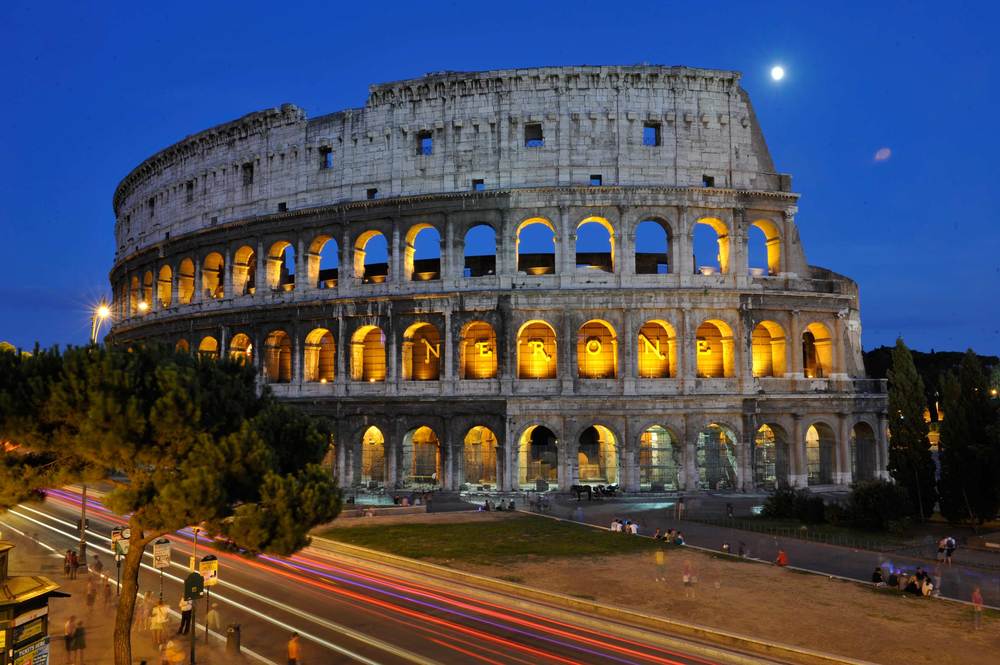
pixel 777 72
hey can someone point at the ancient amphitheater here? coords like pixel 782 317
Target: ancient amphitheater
pixel 490 279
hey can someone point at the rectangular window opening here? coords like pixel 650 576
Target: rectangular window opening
pixel 326 158
pixel 247 174
pixel 189 189
pixel 152 206
pixel 596 180
pixel 425 143
pixel 533 137
pixel 651 134
pixel 371 193
pixel 478 185
pixel 282 207
pixel 708 181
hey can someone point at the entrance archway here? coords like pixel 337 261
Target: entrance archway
pixel 480 456
pixel 715 457
pixel 537 458
pixel 863 463
pixel 770 457
pixel 659 460
pixel 373 462
pixel 421 458
pixel 597 456
pixel 820 447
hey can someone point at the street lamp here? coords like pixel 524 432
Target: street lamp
pixel 101 314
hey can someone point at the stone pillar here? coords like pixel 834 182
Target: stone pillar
pixel 624 246
pixel 260 278
pixel 690 474
pixel 509 468
pixel 681 247
pixel 174 295
pixel 687 355
pixel 301 267
pixel 395 269
pixel 199 288
pixel 392 373
pixel 842 473
pixel 565 244
pixel 798 474
pixel 629 361
pixel 339 372
pixel 446 246
pixel 346 278
pixel 882 450
pixel 566 353
pixel 795 362
pixel 449 374
pixel 227 275
pixel 297 353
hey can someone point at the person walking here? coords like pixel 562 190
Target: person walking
pixel 97 566
pixel 212 620
pixel 74 564
pixel 107 593
pixel 79 642
pixel 661 564
pixel 782 559
pixel 158 618
pixel 977 609
pixel 689 579
pixel 67 562
pixel 91 595
pixel 185 607
pixel 68 629
pixel 293 650
pixel 949 549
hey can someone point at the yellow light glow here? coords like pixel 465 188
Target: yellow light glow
pixel 143 306
pixel 777 72
pixel 103 312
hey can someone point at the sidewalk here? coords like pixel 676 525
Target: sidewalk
pixel 30 558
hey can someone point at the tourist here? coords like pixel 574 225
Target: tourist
pixel 877 580
pixel 171 654
pixel 97 566
pixel 656 534
pixel 977 609
pixel 78 643
pixel 942 546
pixel 67 562
pixel 912 586
pixel 185 606
pixel 91 595
pixel 920 575
pixel 782 559
pixel 74 565
pixel 689 579
pixel 679 538
pixel 633 529
pixel 212 620
pixel 107 593
pixel 616 525
pixel 893 581
pixel 661 562
pixel 68 629
pixel 511 507
pixel 293 649
pixel 949 549
pixel 927 587
pixel 158 619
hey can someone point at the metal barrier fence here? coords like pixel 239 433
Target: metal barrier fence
pixel 803 533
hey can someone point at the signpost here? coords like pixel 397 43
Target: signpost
pixel 209 569
pixel 119 547
pixel 194 586
pixel 161 558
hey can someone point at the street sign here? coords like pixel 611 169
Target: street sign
pixel 194 586
pixel 116 535
pixel 209 569
pixel 161 553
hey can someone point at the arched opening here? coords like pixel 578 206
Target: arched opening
pixel 478 351
pixel 480 456
pixel 595 245
pixel 767 346
pixel 421 353
pixel 134 296
pixel 373 461
pixel 820 446
pixel 323 262
pixel 714 349
pixel 371 258
pixel 480 251
pixel 278 357
pixel 245 271
pixel 711 246
pixel 536 247
pixel 536 351
pixel 597 351
pixel 657 350
pixel 537 458
pixel 863 464
pixel 165 286
pixel 763 248
pixel 212 283
pixel 318 356
pixel 597 456
pixel 652 248
pixel 770 457
pixel 281 266
pixel 715 457
pixel 368 354
pixel 208 348
pixel 240 349
pixel 185 281
pixel 147 289
pixel 817 351
pixel 421 458
pixel 182 346
pixel 422 254
pixel 659 460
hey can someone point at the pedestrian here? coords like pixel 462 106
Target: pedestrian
pixel 79 642
pixel 949 549
pixel 661 564
pixel 172 654
pixel 782 559
pixel 511 507
pixel 689 579
pixel 107 593
pixel 212 620
pixel 67 562
pixel 942 546
pixel 877 580
pixel 293 650
pixel 977 609
pixel 68 629
pixel 656 534
pixel 97 566
pixel 158 618
pixel 145 607
pixel 679 538
pixel 185 607
pixel 74 564
pixel 91 595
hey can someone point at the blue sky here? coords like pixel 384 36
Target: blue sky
pixel 89 94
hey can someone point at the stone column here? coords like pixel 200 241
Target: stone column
pixel 681 260
pixel 339 372
pixel 446 244
pixel 260 278
pixel 227 275
pixel 302 281
pixel 448 353
pixel 174 284
pixel 624 246
pixel 882 451
pixel 842 473
pixel 795 369
pixel 395 254
pixel 629 361
pixel 687 356
pixel 565 245
pixel 798 475
pixel 690 474
pixel 199 288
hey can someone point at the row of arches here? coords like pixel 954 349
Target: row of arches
pixel 536 242
pixel 597 353
pixel 596 457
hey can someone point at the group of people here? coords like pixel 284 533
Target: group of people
pixel 946 548
pixel 489 506
pixel 75 639
pixel 624 526
pixel 71 565
pixel 669 537
pixel 919 583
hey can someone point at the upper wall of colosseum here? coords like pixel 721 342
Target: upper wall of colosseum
pixel 455 131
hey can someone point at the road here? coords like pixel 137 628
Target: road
pixel 347 611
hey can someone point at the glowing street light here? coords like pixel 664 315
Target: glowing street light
pixel 101 314
pixel 143 306
pixel 777 73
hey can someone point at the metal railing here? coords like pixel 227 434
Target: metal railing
pixel 805 533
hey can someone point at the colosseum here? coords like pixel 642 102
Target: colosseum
pixel 492 280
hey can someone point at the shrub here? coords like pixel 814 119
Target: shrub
pixel 876 504
pixel 787 503
pixel 781 504
pixel 808 508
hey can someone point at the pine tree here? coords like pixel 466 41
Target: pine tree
pixel 910 461
pixel 970 445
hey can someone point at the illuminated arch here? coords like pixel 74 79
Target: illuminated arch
pixel 373 459
pixel 653 238
pixel 597 351
pixel 366 269
pixel 134 296
pixel 478 351
pixel 185 281
pixel 817 351
pixel 715 458
pixel 821 445
pixel 368 354
pixel 278 357
pixel 427 267
pixel 598 241
pixel 597 456
pixel 182 346
pixel 657 350
pixel 212 284
pixel 208 347
pixel 421 458
pixel 536 351
pixel 767 346
pixel 721 261
pixel 481 239
pixel 280 266
pixel 318 357
pixel 770 457
pixel 241 349
pixel 660 459
pixel 244 271
pixel 322 262
pixel 165 286
pixel 479 452
pixel 147 289
pixel 714 349
pixel 771 250
pixel 538 458
pixel 421 353
pixel 536 263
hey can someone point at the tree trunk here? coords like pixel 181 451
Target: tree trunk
pixel 127 594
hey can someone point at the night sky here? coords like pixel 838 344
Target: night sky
pixel 87 96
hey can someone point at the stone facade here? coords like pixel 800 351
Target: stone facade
pixel 629 366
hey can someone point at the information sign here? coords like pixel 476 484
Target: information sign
pixel 161 553
pixel 209 569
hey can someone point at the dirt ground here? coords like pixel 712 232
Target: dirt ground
pixel 754 599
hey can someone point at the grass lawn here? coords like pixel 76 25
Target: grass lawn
pixel 490 541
